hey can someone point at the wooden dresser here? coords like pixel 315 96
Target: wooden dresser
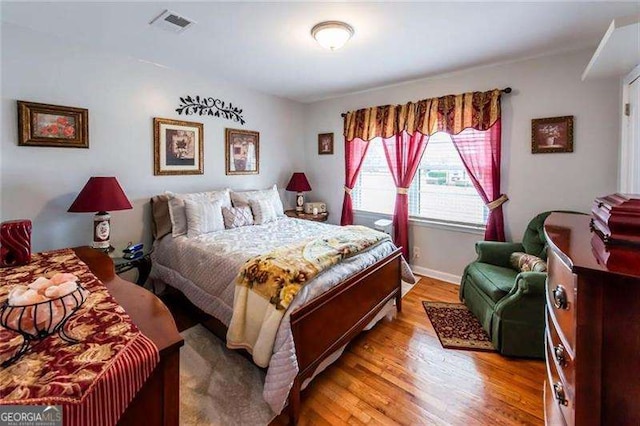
pixel 593 327
pixel 157 403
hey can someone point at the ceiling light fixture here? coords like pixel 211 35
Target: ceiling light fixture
pixel 332 34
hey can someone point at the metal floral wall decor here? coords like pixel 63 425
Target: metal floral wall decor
pixel 209 106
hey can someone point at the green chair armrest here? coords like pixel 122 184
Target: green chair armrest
pixel 528 285
pixel 496 253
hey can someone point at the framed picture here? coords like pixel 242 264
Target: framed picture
pixel 325 143
pixel 177 147
pixel 242 148
pixel 552 134
pixel 52 125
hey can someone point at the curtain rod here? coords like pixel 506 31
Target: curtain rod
pixel 505 90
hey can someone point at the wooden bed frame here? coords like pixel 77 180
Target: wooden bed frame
pixel 333 319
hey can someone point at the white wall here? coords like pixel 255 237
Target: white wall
pixel 122 95
pixel 543 87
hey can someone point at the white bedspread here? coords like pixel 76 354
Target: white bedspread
pixel 204 269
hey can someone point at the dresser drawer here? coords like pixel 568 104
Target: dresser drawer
pixel 558 391
pixel 561 298
pixel 564 361
pixel 552 414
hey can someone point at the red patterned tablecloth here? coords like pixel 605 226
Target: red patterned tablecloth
pixel 95 379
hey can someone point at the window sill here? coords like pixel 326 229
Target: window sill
pixel 426 223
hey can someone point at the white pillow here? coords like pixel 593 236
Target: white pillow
pixel 177 209
pixel 203 216
pixel 263 211
pixel 243 198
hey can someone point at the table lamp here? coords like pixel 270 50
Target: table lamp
pixel 101 194
pixel 299 184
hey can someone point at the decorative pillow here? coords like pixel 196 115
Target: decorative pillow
pixel 203 217
pixel 235 217
pixel 263 211
pixel 243 198
pixel 524 262
pixel 161 218
pixel 177 208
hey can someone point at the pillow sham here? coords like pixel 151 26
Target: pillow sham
pixel 235 217
pixel 177 207
pixel 161 217
pixel 263 211
pixel 203 216
pixel 243 198
pixel 524 262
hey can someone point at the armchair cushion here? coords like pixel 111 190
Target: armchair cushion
pixel 534 241
pixel 496 253
pixel 494 281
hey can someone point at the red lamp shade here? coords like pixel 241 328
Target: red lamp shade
pixel 101 194
pixel 298 183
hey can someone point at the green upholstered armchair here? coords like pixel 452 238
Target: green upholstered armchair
pixel 509 304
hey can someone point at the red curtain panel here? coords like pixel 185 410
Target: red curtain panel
pixel 354 153
pixel 403 152
pixel 480 153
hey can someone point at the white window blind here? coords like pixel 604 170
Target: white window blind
pixel 441 189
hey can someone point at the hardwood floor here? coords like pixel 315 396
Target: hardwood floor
pixel 398 373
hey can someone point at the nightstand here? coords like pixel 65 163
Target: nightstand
pixel 320 217
pixel 142 264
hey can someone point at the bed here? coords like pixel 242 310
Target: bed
pixel 326 314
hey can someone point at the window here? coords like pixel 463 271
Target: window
pixel 441 189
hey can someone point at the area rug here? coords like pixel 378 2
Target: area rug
pixel 457 327
pixel 219 386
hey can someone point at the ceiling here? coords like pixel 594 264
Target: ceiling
pixel 268 47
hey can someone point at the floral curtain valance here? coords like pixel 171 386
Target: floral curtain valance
pixel 451 114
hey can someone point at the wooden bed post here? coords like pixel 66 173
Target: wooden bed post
pixel 294 402
pixel 399 298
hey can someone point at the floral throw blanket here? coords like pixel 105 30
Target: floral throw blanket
pixel 267 284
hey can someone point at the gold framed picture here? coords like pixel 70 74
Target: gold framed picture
pixel 52 125
pixel 553 134
pixel 178 147
pixel 325 143
pixel 242 149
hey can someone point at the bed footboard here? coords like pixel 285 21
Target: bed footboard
pixel 330 321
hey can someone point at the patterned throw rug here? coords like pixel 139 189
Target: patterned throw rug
pixel 457 327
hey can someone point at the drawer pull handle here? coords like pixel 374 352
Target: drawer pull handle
pixel 558 392
pixel 560 297
pixel 560 354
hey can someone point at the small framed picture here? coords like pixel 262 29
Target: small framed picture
pixel 52 125
pixel 177 147
pixel 325 143
pixel 552 134
pixel 242 148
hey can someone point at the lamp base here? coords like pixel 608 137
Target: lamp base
pixel 300 202
pixel 101 232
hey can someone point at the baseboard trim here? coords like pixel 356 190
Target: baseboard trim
pixel 439 275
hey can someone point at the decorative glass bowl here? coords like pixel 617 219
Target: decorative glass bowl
pixel 39 320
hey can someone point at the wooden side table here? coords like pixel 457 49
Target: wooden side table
pixel 320 217
pixel 158 401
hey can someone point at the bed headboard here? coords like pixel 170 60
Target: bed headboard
pixel 161 221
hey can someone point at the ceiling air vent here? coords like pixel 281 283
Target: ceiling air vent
pixel 171 21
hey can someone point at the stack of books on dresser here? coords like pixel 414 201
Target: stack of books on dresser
pixel 616 219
